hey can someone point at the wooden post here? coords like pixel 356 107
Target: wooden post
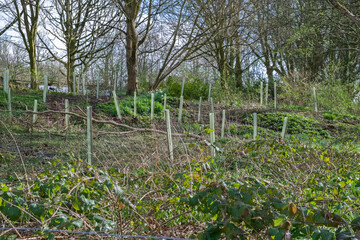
pixel 275 96
pixel 266 93
pixel 152 107
pixel 261 93
pixel 74 83
pixel 83 84
pixel 97 87
pixel 35 111
pixel 199 112
pixel 67 116
pixel 89 134
pixel 315 100
pixel 135 104
pixel 212 105
pixel 117 107
pixel 180 109
pixel 223 124
pixel 284 128
pixel 212 134
pixel 209 96
pixel 182 87
pixel 9 102
pixel 45 88
pixel 169 138
pixel 255 127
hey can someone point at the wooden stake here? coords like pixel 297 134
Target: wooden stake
pixel 261 93
pixel 67 116
pixel 135 104
pixel 284 128
pixel 212 134
pixel 117 107
pixel 275 96
pixel 223 124
pixel 89 134
pixel 45 88
pixel 199 112
pixel 169 138
pixel 255 127
pixel 152 107
pixel 35 110
pixel 180 109
pixel 315 100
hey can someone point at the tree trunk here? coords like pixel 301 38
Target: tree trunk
pixel 131 56
pixel 34 84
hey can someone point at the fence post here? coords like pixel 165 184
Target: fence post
pixel 275 96
pixel 135 104
pixel 152 107
pixel 35 111
pixel 315 99
pixel 67 115
pixel 266 93
pixel 223 124
pixel 74 83
pixel 284 128
pixel 9 102
pixel 180 109
pixel 169 138
pixel 255 127
pixel 209 96
pixel 89 134
pixel 212 134
pixel 199 112
pixel 117 107
pixel 45 88
pixel 97 87
pixel 261 93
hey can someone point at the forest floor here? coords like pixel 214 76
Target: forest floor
pixel 306 184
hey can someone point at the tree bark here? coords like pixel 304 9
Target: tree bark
pixel 131 56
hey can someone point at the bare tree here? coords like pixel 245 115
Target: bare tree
pixel 79 31
pixel 25 14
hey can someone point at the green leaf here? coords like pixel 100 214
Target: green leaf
pixel 355 224
pixel 78 223
pixel 278 221
pixel 13 213
pixel 327 235
pixel 37 209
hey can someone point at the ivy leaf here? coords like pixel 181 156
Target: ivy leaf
pixel 278 221
pixel 355 224
pixel 78 223
pixel 13 213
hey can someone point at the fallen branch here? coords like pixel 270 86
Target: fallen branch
pixel 132 129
